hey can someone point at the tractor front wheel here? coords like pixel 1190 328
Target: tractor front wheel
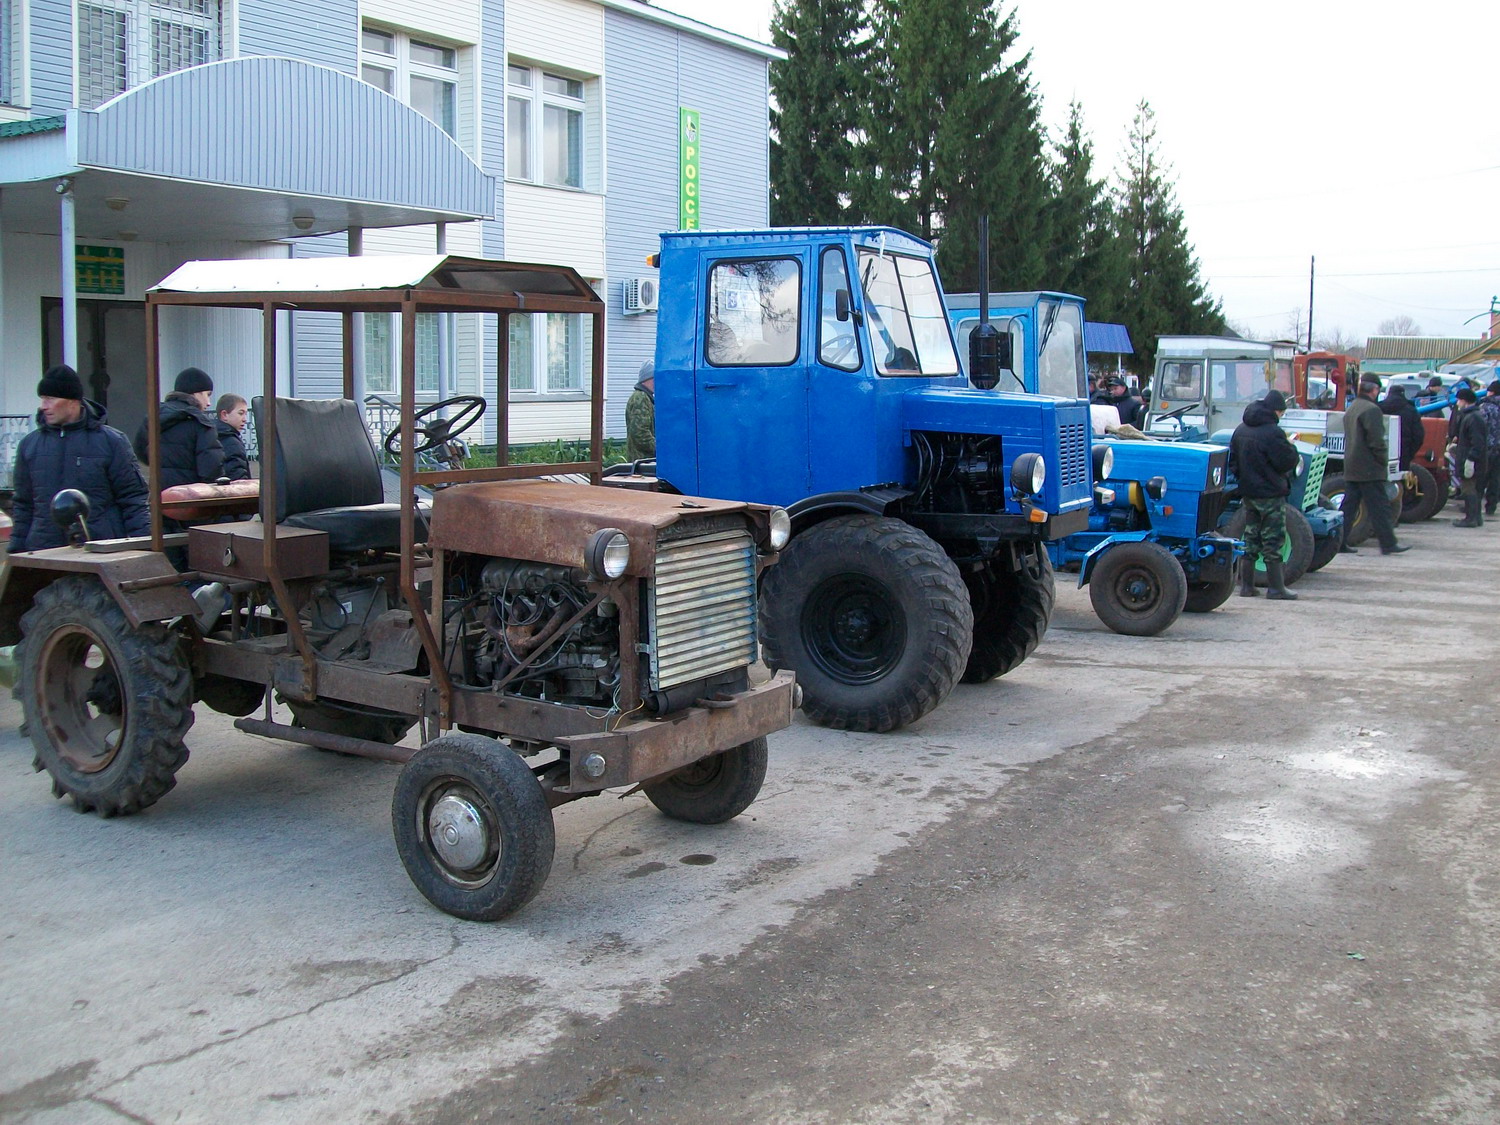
pixel 1012 609
pixel 874 619
pixel 1138 589
pixel 713 789
pixel 1422 500
pixel 107 703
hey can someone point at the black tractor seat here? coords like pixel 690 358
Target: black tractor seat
pixel 329 479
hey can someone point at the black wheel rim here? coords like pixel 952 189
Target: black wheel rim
pixel 701 774
pixel 1137 589
pixel 460 832
pixel 851 629
pixel 83 707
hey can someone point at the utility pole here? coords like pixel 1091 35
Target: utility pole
pixel 1312 269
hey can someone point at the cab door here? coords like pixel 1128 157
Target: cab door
pixel 751 379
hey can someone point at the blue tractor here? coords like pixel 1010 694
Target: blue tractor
pixel 816 368
pixel 1151 548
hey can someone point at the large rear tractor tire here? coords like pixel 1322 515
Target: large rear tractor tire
pixel 1012 609
pixel 107 704
pixel 1422 501
pixel 472 827
pixel 713 789
pixel 1296 548
pixel 1138 589
pixel 874 619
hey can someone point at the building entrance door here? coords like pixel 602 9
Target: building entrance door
pixel 111 355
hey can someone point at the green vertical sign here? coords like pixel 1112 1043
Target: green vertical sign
pixel 688 144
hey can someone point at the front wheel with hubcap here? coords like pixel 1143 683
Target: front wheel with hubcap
pixel 1138 589
pixel 872 616
pixel 472 827
pixel 713 789
pixel 107 703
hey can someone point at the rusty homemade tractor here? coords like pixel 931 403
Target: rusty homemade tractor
pixel 552 639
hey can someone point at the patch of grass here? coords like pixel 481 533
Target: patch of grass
pixel 547 453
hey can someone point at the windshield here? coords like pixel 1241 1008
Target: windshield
pixel 1060 370
pixel 904 313
pixel 1240 380
pixel 1178 382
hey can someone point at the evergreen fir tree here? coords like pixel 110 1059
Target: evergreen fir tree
pixel 1165 294
pixel 818 93
pixel 1084 256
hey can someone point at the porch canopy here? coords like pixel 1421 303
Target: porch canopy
pixel 245 150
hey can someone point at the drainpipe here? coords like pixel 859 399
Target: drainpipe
pixel 69 273
pixel 445 327
pixel 357 325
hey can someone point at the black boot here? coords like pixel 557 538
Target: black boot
pixel 1247 577
pixel 1471 512
pixel 1276 582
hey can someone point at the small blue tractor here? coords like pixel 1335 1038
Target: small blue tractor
pixel 816 368
pixel 1151 548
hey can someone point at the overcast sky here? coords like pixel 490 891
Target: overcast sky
pixel 1365 134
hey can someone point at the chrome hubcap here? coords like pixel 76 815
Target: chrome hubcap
pixel 458 833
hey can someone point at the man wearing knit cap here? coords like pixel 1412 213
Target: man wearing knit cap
pixel 189 444
pixel 73 448
pixel 1262 459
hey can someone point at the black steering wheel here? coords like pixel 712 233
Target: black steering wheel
pixel 441 430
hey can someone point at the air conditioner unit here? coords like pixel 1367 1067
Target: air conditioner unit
pixel 640 295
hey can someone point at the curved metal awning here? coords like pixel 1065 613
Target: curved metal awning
pixel 248 149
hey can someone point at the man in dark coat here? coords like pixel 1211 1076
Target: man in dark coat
pixel 1412 434
pixel 233 412
pixel 190 449
pixel 73 448
pixel 1262 459
pixel 1365 457
pixel 1470 455
pixel 1489 410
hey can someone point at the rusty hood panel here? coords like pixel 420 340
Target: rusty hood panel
pixel 551 521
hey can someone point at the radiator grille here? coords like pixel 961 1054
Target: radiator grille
pixel 1073 453
pixel 702 607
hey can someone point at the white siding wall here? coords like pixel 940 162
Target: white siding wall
pixel 551 225
pixel 565 33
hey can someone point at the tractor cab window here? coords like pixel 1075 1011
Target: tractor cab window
pixel 1242 380
pixel 1179 383
pixel 838 342
pixel 904 312
pixel 1017 329
pixel 1061 368
pixel 754 317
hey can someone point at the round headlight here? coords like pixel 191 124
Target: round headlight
pixel 1156 487
pixel 1104 462
pixel 781 528
pixel 608 553
pixel 1028 473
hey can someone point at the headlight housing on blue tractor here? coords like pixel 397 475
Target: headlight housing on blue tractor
pixel 1104 462
pixel 1156 487
pixel 1028 473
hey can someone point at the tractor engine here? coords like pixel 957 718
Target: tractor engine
pixel 526 616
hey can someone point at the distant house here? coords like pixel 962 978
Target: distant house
pixel 1398 355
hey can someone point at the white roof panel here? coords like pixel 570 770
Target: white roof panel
pixel 301 275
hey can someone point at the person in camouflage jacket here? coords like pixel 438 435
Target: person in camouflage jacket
pixel 1489 410
pixel 640 416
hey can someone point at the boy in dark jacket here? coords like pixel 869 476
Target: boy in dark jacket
pixel 189 444
pixel 73 448
pixel 1470 454
pixel 233 411
pixel 1262 458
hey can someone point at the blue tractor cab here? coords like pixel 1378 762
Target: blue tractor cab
pixel 816 368
pixel 1151 548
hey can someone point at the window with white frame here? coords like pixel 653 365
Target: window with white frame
pixel 545 115
pixel 383 353
pixel 123 43
pixel 421 73
pixel 550 353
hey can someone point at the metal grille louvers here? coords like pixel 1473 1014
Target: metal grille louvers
pixel 701 606
pixel 1073 453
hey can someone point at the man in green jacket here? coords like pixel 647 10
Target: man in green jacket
pixel 1365 456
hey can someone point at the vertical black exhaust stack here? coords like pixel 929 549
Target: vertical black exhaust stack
pixel 984 341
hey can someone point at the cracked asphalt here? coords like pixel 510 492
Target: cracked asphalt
pixel 1243 871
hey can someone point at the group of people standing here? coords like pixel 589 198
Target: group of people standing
pixel 74 447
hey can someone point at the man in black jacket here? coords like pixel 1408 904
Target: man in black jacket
pixel 233 412
pixel 1470 454
pixel 73 448
pixel 189 444
pixel 1412 433
pixel 1262 459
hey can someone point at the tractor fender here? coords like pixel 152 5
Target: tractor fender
pixel 815 509
pixel 143 583
pixel 1086 568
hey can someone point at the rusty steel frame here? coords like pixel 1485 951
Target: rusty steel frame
pixel 309 680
